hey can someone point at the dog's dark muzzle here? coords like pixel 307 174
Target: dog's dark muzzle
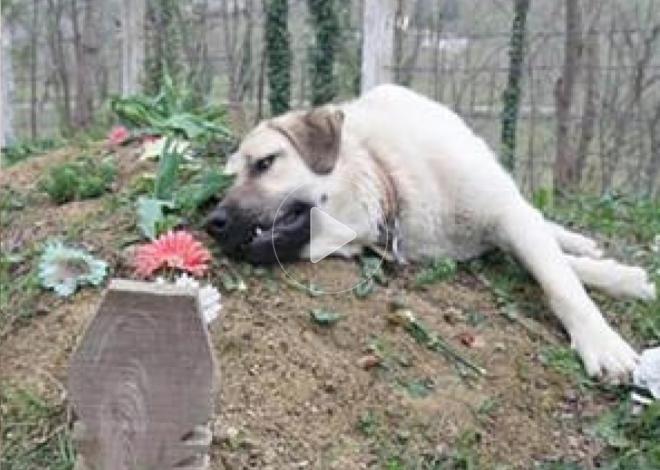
pixel 243 234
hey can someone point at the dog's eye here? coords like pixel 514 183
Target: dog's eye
pixel 261 166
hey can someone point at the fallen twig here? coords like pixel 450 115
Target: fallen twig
pixel 431 340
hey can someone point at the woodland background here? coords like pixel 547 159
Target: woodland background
pixel 583 77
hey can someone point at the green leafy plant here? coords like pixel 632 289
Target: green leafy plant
pixel 84 178
pixel 632 439
pixel 324 317
pixel 175 112
pixel 373 273
pixel 441 269
pixel 177 191
pixel 152 220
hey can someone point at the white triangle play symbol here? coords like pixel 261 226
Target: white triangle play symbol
pixel 320 222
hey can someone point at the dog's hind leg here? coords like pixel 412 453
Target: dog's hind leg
pixel 607 275
pixel 574 243
pixel 522 230
pixel 612 277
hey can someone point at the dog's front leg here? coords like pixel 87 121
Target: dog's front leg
pixel 522 230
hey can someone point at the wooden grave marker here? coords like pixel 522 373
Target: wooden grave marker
pixel 142 381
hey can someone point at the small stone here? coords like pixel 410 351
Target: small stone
pixel 452 315
pixel 329 387
pixel 397 302
pixel 369 361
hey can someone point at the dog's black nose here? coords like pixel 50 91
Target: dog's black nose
pixel 218 221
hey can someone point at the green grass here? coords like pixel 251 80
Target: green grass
pixel 633 439
pixel 19 289
pixel 440 269
pixel 392 442
pixel 34 433
pixel 633 225
pixel 22 150
pixel 614 215
pixel 11 203
pixel 85 178
pixel 566 361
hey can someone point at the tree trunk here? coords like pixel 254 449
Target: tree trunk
pixel 34 36
pixel 162 44
pixel 133 13
pixel 512 93
pixel 261 83
pixel 7 85
pixel 238 45
pixel 245 69
pixel 653 167
pixel 326 31
pixel 589 115
pixel 57 47
pixel 86 44
pixel 278 49
pixel 377 42
pixel 565 162
pixel 195 44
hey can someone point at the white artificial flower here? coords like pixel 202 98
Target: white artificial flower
pixel 209 296
pixel 209 300
pixel 63 269
pixel 154 149
pixel 647 373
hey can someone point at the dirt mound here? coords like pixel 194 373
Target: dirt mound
pixel 362 393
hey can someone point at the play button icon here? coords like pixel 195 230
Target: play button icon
pixel 320 222
pixel 340 209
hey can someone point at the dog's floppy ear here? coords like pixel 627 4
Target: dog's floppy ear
pixel 316 135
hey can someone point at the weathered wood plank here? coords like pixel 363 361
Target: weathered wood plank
pixel 141 382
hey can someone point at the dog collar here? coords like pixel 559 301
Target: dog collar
pixel 390 231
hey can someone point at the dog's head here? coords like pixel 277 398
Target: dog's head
pixel 259 211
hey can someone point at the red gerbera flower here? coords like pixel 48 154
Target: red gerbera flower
pixel 176 250
pixel 118 135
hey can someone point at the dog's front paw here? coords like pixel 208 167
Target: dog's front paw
pixel 604 353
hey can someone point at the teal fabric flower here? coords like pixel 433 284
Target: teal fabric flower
pixel 63 269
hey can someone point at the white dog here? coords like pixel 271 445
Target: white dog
pixel 438 183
